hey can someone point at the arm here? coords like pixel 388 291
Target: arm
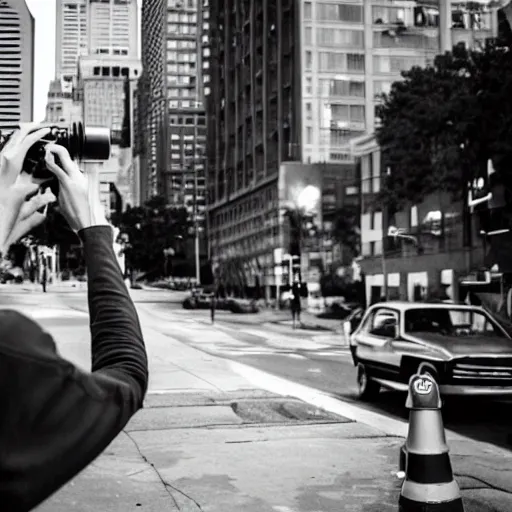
pixel 116 339
pixel 60 418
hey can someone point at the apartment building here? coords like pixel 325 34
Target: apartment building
pixel 426 29
pixel 16 64
pixel 171 112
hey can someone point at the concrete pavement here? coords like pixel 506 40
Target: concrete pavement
pixel 218 436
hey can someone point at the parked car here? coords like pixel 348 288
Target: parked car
pixel 462 347
pixel 13 274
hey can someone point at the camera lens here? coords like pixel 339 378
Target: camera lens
pixel 95 143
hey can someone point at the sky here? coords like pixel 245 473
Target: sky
pixel 44 67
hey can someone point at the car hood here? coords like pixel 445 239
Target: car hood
pixel 465 345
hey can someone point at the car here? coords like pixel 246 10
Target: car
pixel 12 274
pixel 462 347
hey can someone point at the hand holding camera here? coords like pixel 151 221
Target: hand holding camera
pixel 18 189
pixel 78 194
pixel 37 165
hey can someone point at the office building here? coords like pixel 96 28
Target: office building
pixel 438 26
pixel 60 106
pixel 16 64
pixel 174 38
pixel 101 89
pixel 272 131
pixel 104 28
pixel 71 39
pixel 84 27
pixel 112 27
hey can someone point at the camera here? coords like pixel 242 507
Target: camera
pixel 82 143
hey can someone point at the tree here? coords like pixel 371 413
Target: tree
pixel 345 228
pixel 151 229
pixel 442 123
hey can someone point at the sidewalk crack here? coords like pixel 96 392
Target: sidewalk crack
pixel 167 485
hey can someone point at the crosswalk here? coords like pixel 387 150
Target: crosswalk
pixel 245 341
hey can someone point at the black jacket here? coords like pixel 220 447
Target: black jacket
pixel 55 418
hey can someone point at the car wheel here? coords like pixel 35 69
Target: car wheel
pixel 367 388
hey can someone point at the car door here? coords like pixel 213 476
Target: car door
pixel 376 334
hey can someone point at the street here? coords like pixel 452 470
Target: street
pixel 212 432
pixel 315 360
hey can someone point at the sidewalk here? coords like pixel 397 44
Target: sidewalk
pixel 210 439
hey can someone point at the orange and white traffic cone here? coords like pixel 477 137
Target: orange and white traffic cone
pixel 429 485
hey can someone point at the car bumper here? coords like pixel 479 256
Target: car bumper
pixel 476 390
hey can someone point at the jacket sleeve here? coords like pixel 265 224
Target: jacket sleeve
pixel 67 417
pixel 117 345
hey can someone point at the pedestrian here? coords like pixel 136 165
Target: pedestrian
pixel 212 308
pixel 57 418
pixel 44 276
pixel 295 304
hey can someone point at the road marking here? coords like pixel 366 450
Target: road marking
pixel 314 370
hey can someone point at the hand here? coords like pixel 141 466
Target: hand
pixel 15 185
pixel 79 195
pixel 30 215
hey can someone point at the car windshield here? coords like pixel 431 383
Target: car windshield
pixel 451 322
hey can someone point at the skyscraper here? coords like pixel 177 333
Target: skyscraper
pixel 113 27
pixel 71 36
pixel 16 63
pixel 172 93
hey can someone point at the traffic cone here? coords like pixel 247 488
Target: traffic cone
pixel 429 485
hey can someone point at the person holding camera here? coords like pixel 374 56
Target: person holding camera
pixel 55 419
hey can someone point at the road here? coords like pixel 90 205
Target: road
pixel 315 360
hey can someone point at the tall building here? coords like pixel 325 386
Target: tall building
pixel 113 27
pixel 300 81
pixel 16 64
pixel 393 33
pixel 171 108
pixel 71 39
pixel 101 89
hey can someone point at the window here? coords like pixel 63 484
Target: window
pixel 308 35
pixel 309 59
pixel 381 87
pixel 308 11
pixel 340 37
pixel 386 15
pixel 336 12
pixel 341 61
pixel 309 135
pixel 383 323
pixel 395 64
pixel 345 87
pixel 351 191
pixel 344 115
pixel 308 85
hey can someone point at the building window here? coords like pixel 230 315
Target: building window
pixel 341 61
pixel 309 135
pixel 309 59
pixel 308 11
pixel 339 12
pixel 340 37
pixel 395 64
pixel 308 35
pixel 351 191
